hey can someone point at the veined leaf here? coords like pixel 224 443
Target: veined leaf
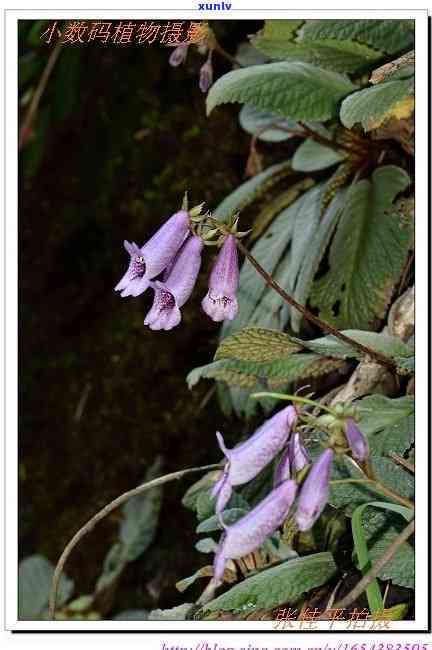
pixel 390 36
pixel 390 346
pixel 291 89
pixel 252 189
pixel 258 123
pixel 367 254
pixel 388 423
pixel 312 156
pixel 372 106
pixel 256 344
pixel 284 583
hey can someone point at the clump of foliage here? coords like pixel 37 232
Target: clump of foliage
pixel 325 311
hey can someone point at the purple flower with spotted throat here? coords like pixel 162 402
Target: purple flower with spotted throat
pixel 251 531
pixel 220 303
pixel 314 492
pixel 177 286
pixel 151 259
pixel 356 440
pixel 246 460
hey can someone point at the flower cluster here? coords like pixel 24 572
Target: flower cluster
pixel 305 498
pixel 169 263
pixel 205 47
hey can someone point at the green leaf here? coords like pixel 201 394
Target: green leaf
pixel 257 344
pixel 206 545
pixel 229 516
pixel 254 122
pixel 313 254
pixel 387 423
pixel 380 530
pixel 367 254
pixel 390 36
pixel 373 592
pixel 175 614
pixel 35 574
pixel 137 531
pixel 252 189
pixel 247 374
pixel 390 346
pixel 284 583
pixel 204 484
pixel 312 156
pixel 292 89
pixel 371 106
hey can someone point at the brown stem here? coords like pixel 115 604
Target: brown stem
pixel 34 104
pixel 330 143
pixel 401 461
pixel 218 48
pixel 106 510
pixel 326 327
pixel 362 585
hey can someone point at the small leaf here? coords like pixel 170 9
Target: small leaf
pixel 206 482
pixel 387 423
pixel 229 517
pixel 284 583
pixel 312 156
pixel 206 545
pixel 389 346
pixel 35 574
pixel 292 89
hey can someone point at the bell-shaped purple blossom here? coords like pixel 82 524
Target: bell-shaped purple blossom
pixel 251 531
pixel 299 456
pixel 220 303
pixel 356 440
pixel 314 491
pixel 175 290
pixel 178 55
pixel 246 460
pixel 156 254
pixel 206 74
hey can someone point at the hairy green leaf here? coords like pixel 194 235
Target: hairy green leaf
pixel 390 346
pixel 367 254
pixel 292 89
pixel 373 105
pixel 388 423
pixel 390 36
pixel 284 583
pixel 256 344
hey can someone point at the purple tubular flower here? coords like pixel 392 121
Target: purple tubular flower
pixel 206 75
pixel 178 56
pixel 150 260
pixel 283 469
pixel 298 454
pixel 315 491
pixel 176 289
pixel 356 440
pixel 246 460
pixel 249 532
pixel 220 303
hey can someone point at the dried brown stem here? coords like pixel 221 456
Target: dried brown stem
pixel 106 510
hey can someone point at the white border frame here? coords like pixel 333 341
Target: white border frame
pixel 11 328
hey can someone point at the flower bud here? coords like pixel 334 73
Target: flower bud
pixel 314 491
pixel 206 75
pixel 178 55
pixel 299 456
pixel 251 531
pixel 356 440
pixel 220 303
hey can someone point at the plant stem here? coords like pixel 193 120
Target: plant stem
pixel 37 96
pixel 326 327
pixel 295 398
pixel 376 568
pixel 401 461
pixel 218 48
pixel 106 510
